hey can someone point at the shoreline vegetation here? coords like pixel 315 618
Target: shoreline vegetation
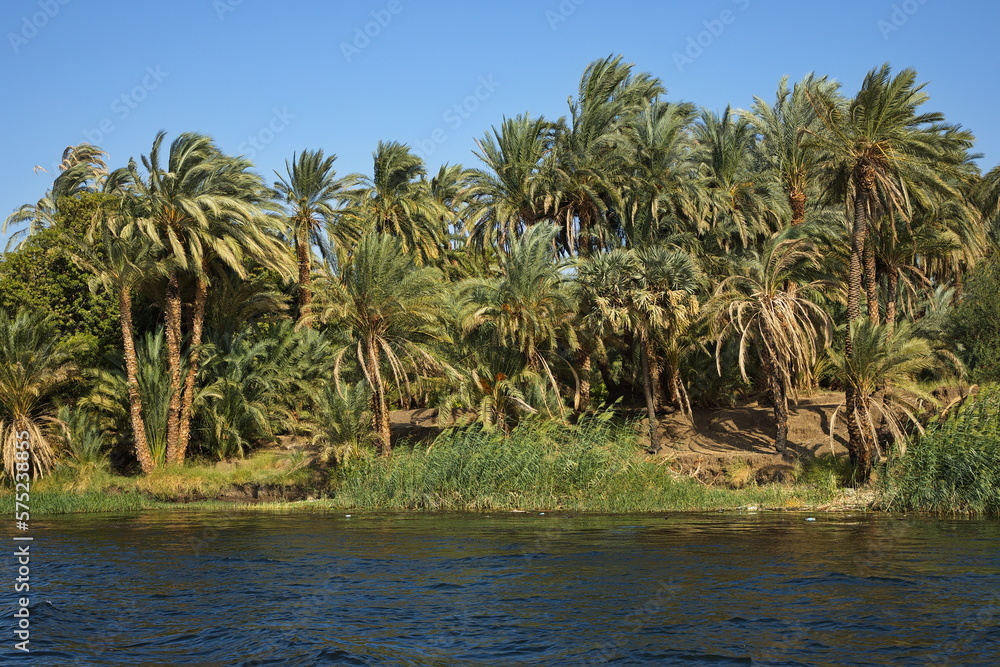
pixel 641 306
pixel 596 466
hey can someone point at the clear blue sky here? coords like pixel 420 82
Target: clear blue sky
pixel 267 79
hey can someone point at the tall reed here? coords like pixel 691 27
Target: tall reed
pixel 954 467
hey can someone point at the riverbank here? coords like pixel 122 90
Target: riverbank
pixel 717 462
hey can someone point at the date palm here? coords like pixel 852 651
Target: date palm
pixel 771 307
pixel 882 154
pixel 397 200
pixel 884 373
pixel 204 208
pixel 120 262
pixel 510 195
pixel 590 165
pixel 662 186
pixel 528 308
pixel 81 170
pixel 782 128
pixel 309 189
pixel 388 311
pixel 33 368
pixel 745 202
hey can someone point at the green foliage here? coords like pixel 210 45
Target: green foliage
pixel 954 467
pixel 109 395
pixel 343 420
pixel 40 275
pixel 254 383
pixel 83 439
pixel 975 322
pixel 827 473
pixel 593 466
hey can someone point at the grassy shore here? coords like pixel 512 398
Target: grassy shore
pixel 596 466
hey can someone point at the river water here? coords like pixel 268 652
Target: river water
pixel 194 588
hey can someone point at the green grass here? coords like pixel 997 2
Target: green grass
pixel 954 468
pixel 596 466
pixel 91 488
pixel 593 467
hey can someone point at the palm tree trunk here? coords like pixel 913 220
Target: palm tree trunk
pixel 305 275
pixel 797 200
pixel 380 410
pixel 654 436
pixel 890 299
pixel 779 399
pixel 172 326
pixel 871 285
pixel 142 451
pixel 583 392
pixel 862 458
pixel 187 399
pixel 654 371
pixel 856 440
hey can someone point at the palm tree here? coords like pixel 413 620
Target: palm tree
pixel 33 368
pixel 770 306
pixel 388 310
pixel 397 200
pixel 883 155
pixel 204 208
pixel 589 162
pixel 644 293
pixel 309 188
pixel 509 196
pixel 745 201
pixel 782 128
pixel 662 186
pixel 81 170
pixel 883 373
pixel 528 308
pixel 119 263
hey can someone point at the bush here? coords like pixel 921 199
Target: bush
pixel 954 467
pixel 975 323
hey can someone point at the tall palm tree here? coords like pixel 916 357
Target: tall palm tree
pixel 589 161
pixel 746 204
pixel 882 154
pixel 119 262
pixel 397 200
pixel 388 310
pixel 771 306
pixel 782 128
pixel 33 367
pixel 309 189
pixel 662 187
pixel 509 196
pixel 528 308
pixel 204 208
